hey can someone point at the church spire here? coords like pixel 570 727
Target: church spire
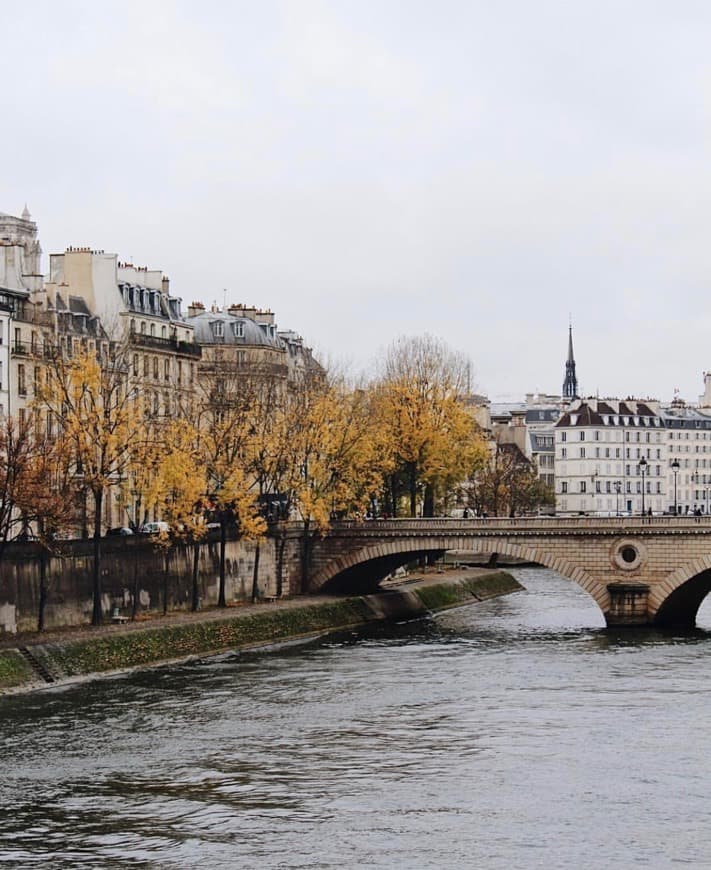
pixel 570 384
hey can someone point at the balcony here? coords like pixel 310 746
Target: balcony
pixel 19 348
pixel 167 345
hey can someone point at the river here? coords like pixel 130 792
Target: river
pixel 519 733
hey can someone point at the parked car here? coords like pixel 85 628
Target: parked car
pixel 119 531
pixel 155 528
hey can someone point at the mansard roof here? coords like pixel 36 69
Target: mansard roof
pixel 234 330
pixel 628 412
pixel 150 301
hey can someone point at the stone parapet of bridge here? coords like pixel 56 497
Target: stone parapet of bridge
pixel 639 570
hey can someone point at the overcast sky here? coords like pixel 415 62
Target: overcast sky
pixel 479 171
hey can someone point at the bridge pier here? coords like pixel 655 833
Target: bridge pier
pixel 628 604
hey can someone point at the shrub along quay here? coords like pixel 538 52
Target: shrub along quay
pixel 121 648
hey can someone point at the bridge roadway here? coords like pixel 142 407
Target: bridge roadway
pixel 640 570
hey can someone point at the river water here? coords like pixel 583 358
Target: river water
pixel 519 733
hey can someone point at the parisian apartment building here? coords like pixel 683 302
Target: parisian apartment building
pixel 91 300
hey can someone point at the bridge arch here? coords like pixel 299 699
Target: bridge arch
pixel 360 570
pixel 675 602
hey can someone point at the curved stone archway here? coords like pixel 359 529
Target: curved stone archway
pixel 675 602
pixel 362 569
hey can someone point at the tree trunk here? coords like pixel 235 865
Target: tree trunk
pixel 97 613
pixel 42 591
pixel 428 507
pixel 166 575
pixel 412 481
pixel 280 563
pixel 255 576
pixel 221 602
pixel 134 603
pixel 196 566
pixel 305 558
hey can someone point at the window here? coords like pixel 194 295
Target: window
pixel 583 486
pixel 564 487
pixel 582 436
pixel 36 380
pixel 598 486
pixel 153 329
pixel 166 370
pixel 608 486
pixel 162 332
pixel 218 329
pixel 563 452
pixel 582 453
pixel 238 329
pixel 145 366
pixel 135 364
pixel 133 326
pixel 21 385
pixel 143 327
pixel 155 367
pixel 180 372
pixel 2 330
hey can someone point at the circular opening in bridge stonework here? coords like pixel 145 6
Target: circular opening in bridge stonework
pixel 628 554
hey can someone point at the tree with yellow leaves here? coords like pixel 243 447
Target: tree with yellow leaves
pixel 98 420
pixel 223 429
pixel 420 399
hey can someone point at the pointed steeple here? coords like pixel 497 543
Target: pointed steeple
pixel 26 216
pixel 570 384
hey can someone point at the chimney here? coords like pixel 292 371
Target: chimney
pixel 195 308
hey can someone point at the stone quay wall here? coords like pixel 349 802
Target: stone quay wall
pixel 135 569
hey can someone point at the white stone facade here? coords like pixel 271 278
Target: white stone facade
pixel 611 457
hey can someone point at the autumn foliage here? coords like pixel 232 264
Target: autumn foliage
pixel 249 449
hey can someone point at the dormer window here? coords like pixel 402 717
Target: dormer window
pixel 238 329
pixel 218 329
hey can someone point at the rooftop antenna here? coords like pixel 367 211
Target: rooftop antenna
pixel 224 299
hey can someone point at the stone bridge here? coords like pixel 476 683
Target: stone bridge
pixel 639 570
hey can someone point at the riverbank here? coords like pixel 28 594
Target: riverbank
pixel 34 661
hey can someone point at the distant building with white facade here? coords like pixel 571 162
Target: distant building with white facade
pixel 611 457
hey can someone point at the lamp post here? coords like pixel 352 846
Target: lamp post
pixel 618 487
pixel 675 469
pixel 643 467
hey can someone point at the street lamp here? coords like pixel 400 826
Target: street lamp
pixel 618 487
pixel 643 468
pixel 675 469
